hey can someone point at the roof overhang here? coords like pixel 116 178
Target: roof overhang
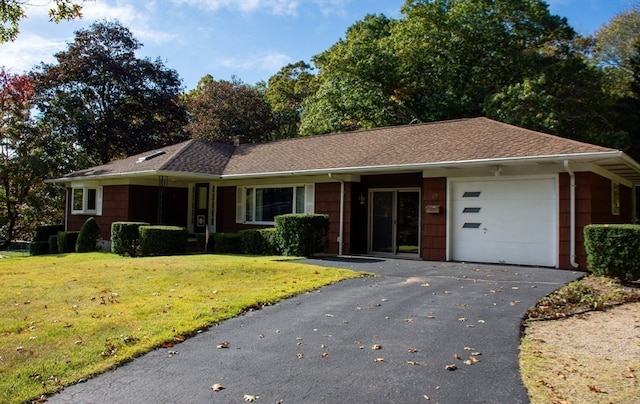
pixel 616 162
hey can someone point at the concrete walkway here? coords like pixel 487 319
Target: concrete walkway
pixel 383 339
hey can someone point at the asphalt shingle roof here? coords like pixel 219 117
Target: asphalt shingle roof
pixel 438 142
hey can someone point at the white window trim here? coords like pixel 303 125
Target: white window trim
pixel 241 197
pixel 85 200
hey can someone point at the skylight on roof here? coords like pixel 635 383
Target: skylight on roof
pixel 150 156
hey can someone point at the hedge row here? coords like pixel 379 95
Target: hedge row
pixel 613 250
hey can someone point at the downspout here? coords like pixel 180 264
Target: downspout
pixel 341 223
pixel 572 214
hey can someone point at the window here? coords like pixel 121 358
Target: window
pixel 85 200
pixel 263 204
pixel 615 198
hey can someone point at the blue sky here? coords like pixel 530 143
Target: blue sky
pixel 251 39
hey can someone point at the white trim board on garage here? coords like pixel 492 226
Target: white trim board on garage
pixel 504 219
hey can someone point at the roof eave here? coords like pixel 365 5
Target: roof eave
pixel 134 174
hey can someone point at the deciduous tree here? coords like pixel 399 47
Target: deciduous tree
pixel 113 103
pixel 219 110
pixel 12 11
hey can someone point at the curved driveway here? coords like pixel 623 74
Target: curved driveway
pixel 319 347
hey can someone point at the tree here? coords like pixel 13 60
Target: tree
pixel 221 110
pixel 28 156
pixel 358 82
pixel 440 61
pixel 112 103
pixel 613 48
pixel 12 11
pixel 285 92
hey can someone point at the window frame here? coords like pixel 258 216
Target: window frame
pixel 615 198
pixel 84 191
pixel 248 194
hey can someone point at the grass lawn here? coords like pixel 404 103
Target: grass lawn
pixel 67 317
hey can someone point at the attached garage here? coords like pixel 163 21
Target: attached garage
pixel 512 221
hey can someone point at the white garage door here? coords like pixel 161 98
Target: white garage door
pixel 504 221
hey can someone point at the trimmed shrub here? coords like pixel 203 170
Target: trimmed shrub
pixel 53 244
pixel 258 241
pixel 125 237
pixel 39 248
pixel 227 243
pixel 43 233
pixel 163 240
pixel 200 239
pixel 613 250
pixel 67 241
pixel 301 235
pixel 88 236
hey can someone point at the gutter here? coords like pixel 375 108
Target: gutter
pixel 572 214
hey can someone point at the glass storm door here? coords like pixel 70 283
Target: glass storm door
pixel 395 222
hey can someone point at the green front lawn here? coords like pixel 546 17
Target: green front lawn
pixel 67 317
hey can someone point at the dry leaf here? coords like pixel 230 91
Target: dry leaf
pixel 378 360
pixel 299 356
pixel 595 389
pixel 468 348
pixel 408 320
pixel 475 354
pixel 325 354
pixel 425 285
pixel 179 338
pixel 468 362
pixel 451 367
pixel 217 387
pixel 412 350
pixel 222 345
pixel 376 347
pixel 629 374
pixel 426 397
pixel 328 315
pixel 412 363
pixel 456 356
pixel 462 319
pixel 473 359
pixel 250 398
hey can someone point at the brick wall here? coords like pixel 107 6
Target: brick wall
pixel 434 225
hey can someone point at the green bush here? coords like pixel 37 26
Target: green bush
pixel 301 235
pixel 163 240
pixel 227 243
pixel 39 248
pixel 67 241
pixel 53 244
pixel 200 239
pixel 258 241
pixel 613 250
pixel 43 233
pixel 88 237
pixel 125 237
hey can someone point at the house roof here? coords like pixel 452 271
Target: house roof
pixel 189 157
pixel 446 143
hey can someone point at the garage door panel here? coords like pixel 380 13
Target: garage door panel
pixel 504 221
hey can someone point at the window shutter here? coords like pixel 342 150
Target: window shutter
pixel 99 201
pixel 239 204
pixel 309 199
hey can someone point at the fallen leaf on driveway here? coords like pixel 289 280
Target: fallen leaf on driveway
pixel 414 363
pixel 299 356
pixel 378 360
pixel 217 387
pixel 223 345
pixel 451 367
pixel 426 397
pixel 412 350
pixel 456 356
pixel 325 354
pixel 376 347
pixel 250 398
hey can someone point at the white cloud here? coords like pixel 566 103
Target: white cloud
pixel 275 7
pixel 128 15
pixel 269 62
pixel 28 50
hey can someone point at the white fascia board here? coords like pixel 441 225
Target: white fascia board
pixel 135 174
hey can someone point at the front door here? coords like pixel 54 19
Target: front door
pixel 394 221
pixel 201 211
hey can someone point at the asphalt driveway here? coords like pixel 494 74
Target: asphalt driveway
pixel 448 332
